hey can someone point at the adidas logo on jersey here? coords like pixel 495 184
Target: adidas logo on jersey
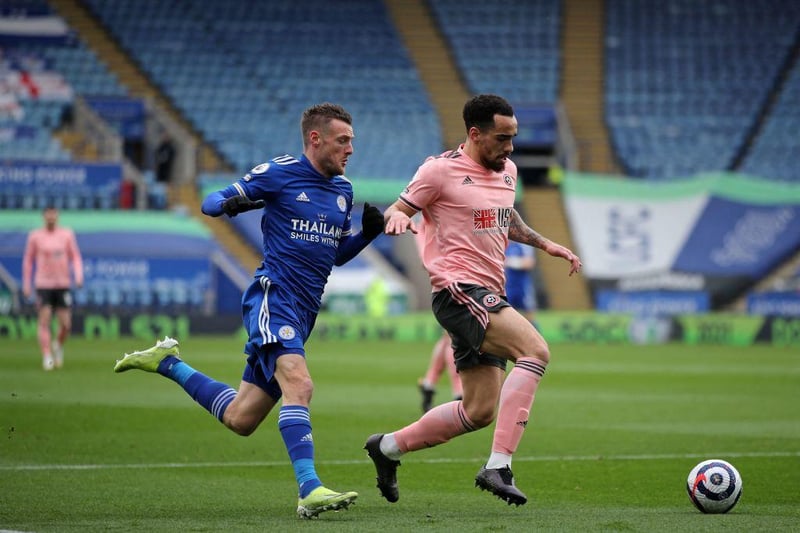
pixel 467 181
pixel 302 197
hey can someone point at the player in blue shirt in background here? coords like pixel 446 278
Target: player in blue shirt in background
pixel 520 291
pixel 306 204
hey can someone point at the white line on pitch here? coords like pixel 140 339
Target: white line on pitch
pixel 544 458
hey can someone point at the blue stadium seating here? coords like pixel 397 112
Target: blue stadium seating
pixel 774 152
pixel 511 49
pixel 26 135
pixel 686 80
pixel 242 72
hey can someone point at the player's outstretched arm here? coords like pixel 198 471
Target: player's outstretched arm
pixel 520 232
pixel 398 219
pixel 371 227
pixel 228 201
pixel 371 221
pixel 557 250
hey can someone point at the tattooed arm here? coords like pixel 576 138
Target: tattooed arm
pixel 520 232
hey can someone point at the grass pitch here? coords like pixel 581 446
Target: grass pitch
pixel 613 435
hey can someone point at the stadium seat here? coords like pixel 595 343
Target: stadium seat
pixel 253 116
pixel 513 51
pixel 682 87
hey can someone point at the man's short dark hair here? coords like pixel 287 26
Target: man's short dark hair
pixel 479 111
pixel 318 116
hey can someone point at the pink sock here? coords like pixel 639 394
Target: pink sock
pixel 437 426
pixel 516 399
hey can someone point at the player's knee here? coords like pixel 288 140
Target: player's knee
pixel 240 421
pixel 301 390
pixel 542 352
pixel 297 391
pixel 241 425
pixel 480 415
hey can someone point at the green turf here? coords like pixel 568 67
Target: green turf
pixel 613 435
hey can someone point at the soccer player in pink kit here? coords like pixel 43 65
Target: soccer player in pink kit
pixel 467 201
pixel 52 250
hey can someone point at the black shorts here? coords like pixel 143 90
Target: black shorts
pixel 463 310
pixel 55 298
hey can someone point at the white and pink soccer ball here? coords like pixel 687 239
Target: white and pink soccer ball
pixel 714 486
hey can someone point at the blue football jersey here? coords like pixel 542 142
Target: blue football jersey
pixel 519 282
pixel 305 216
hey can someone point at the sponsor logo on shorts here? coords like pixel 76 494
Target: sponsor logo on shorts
pixel 286 333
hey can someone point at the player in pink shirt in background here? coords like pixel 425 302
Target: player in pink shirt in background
pixel 467 201
pixel 51 251
pixel 441 356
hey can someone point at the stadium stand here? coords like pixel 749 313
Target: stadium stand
pixel 268 81
pixel 39 51
pixel 774 152
pixel 511 50
pixel 686 81
pixel 44 66
pixel 683 88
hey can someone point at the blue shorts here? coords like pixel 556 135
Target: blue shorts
pixel 275 326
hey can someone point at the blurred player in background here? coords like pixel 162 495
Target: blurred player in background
pixel 467 201
pixel 520 291
pixel 307 205
pixel 52 252
pixel 442 354
pixel 442 358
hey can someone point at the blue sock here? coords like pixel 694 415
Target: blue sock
pixel 212 395
pixel 294 423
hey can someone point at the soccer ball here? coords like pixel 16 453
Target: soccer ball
pixel 714 486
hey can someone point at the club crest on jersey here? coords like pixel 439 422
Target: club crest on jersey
pixel 260 169
pixel 341 203
pixel 490 300
pixel 286 333
pixel 509 181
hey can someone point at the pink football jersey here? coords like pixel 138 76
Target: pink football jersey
pixel 52 252
pixel 467 211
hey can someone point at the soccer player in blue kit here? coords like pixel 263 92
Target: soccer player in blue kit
pixel 306 218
